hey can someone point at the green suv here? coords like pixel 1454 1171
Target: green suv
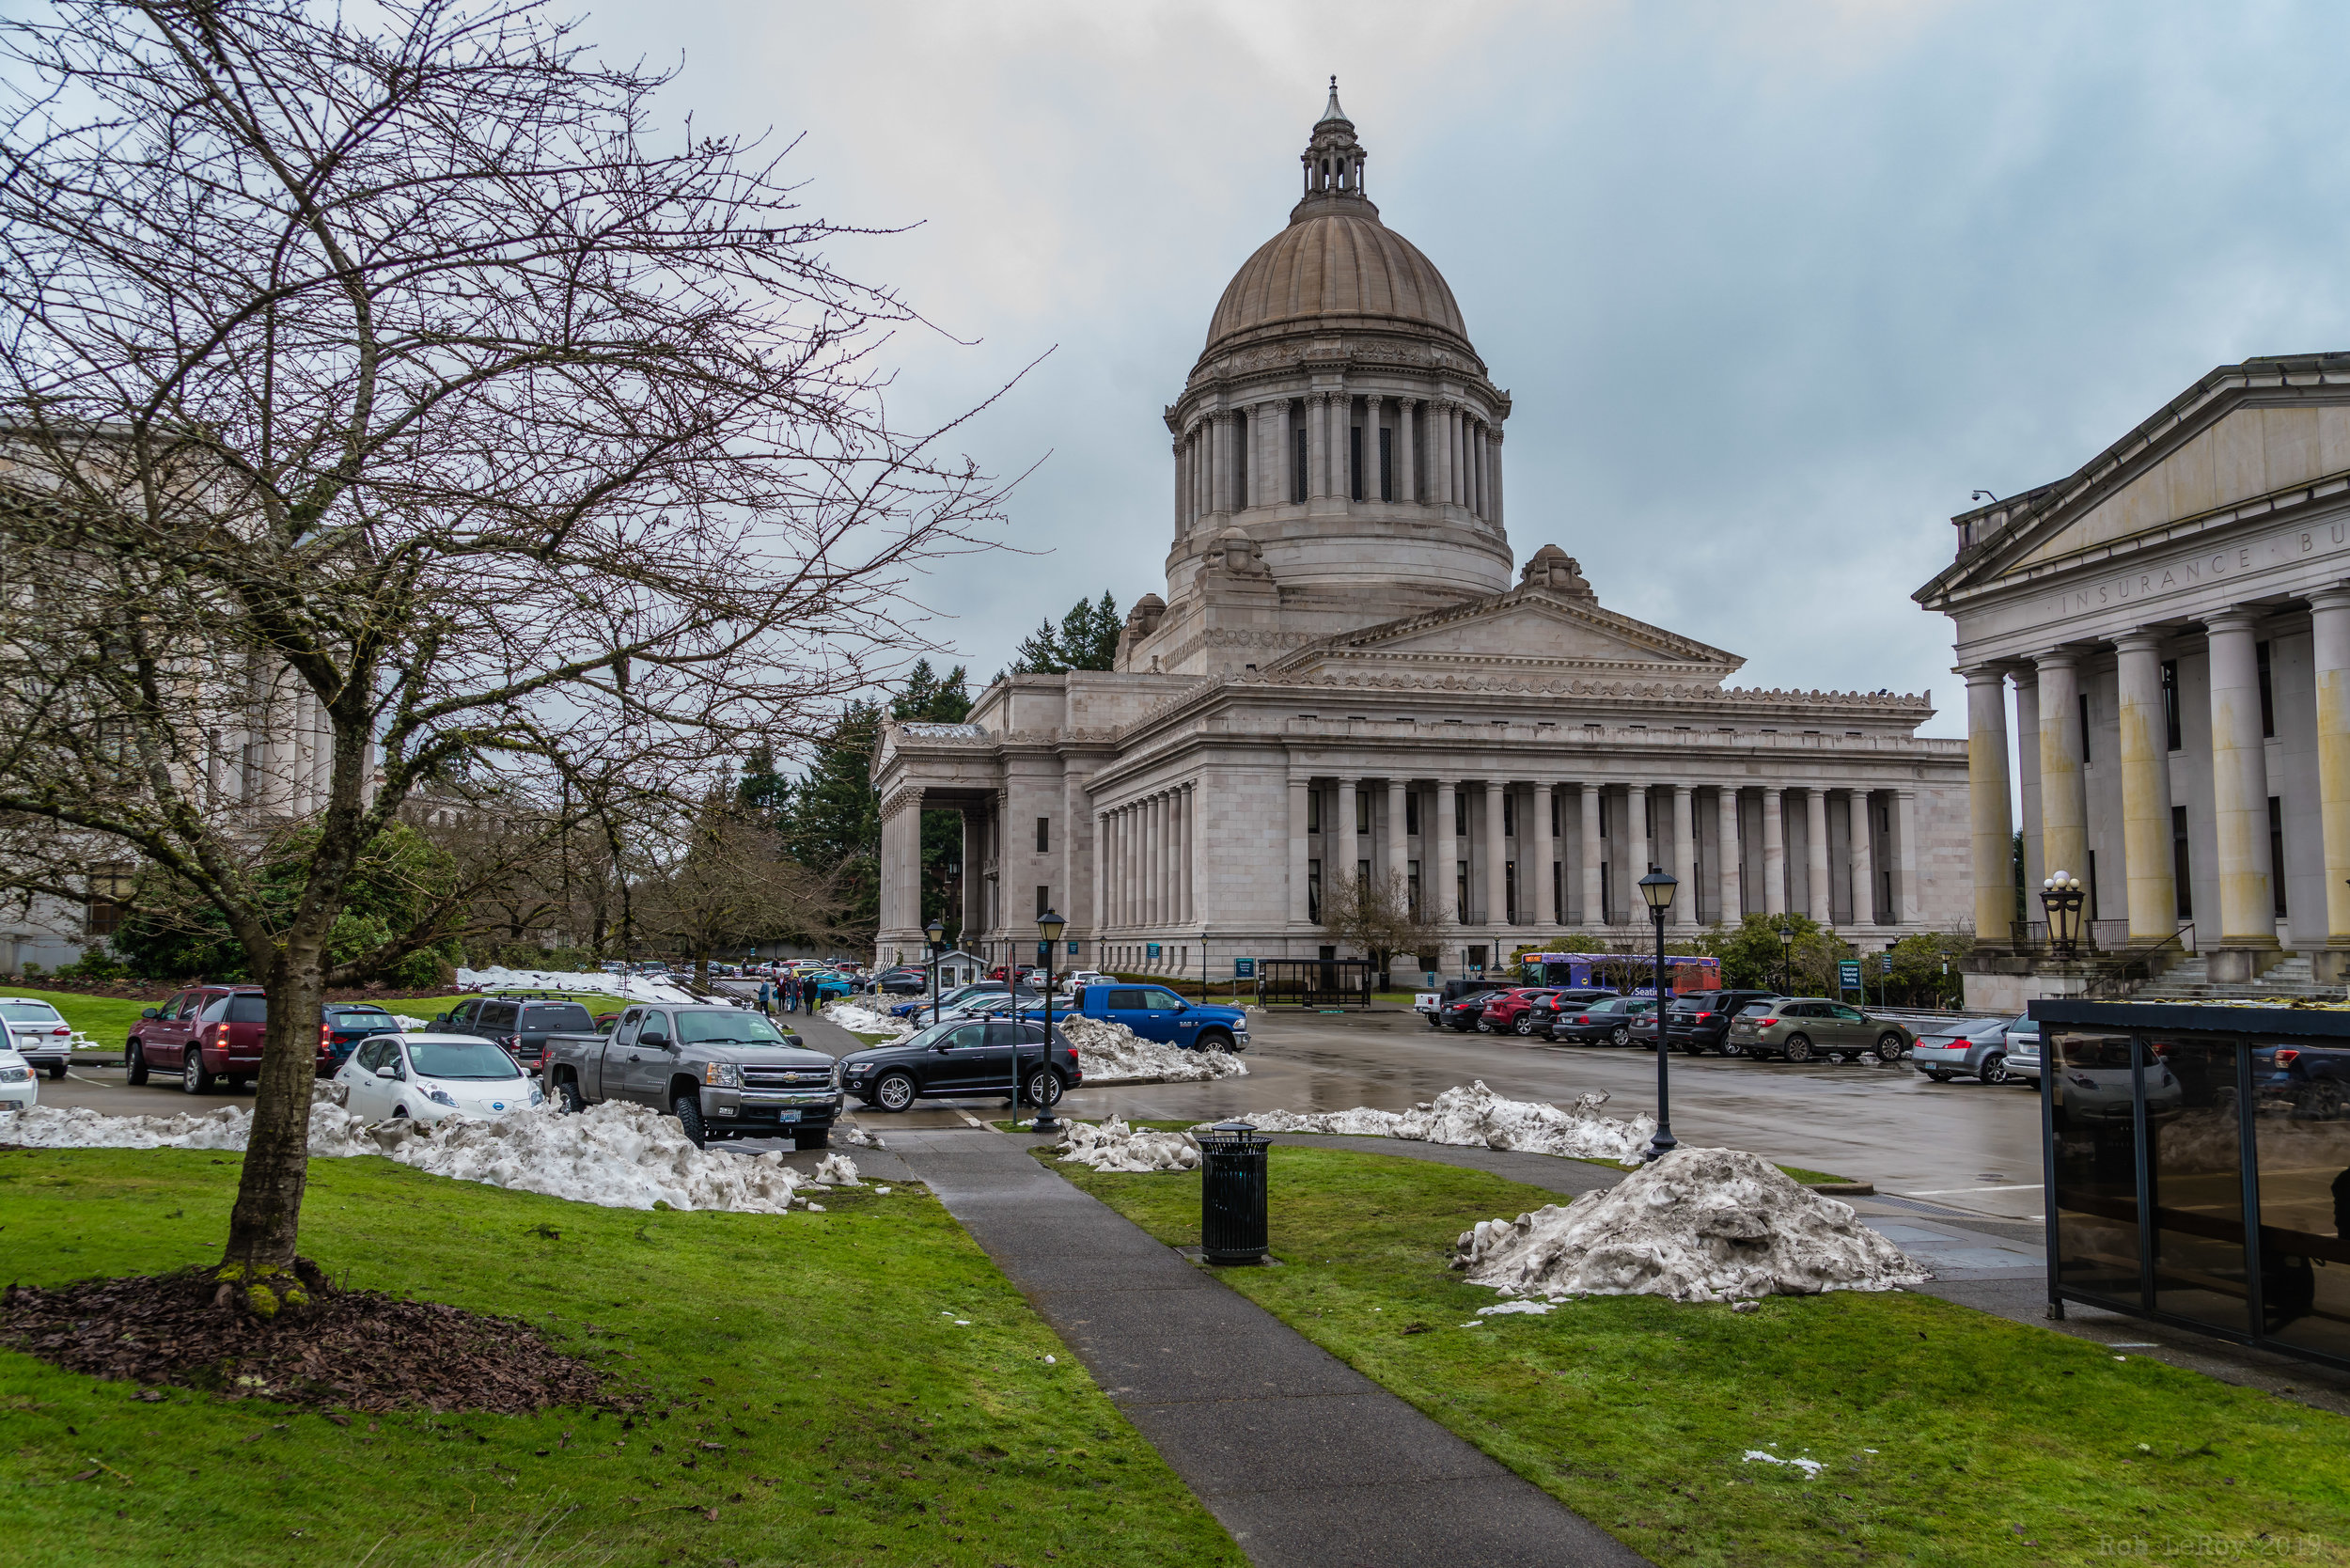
pixel 1802 1029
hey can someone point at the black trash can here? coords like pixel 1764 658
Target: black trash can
pixel 1232 1194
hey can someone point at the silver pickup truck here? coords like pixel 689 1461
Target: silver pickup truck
pixel 723 1071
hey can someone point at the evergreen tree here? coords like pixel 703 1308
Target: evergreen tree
pixel 1086 639
pixel 763 790
pixel 831 818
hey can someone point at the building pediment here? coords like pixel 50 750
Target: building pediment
pixel 2245 439
pixel 1528 625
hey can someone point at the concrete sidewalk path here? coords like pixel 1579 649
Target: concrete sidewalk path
pixel 1306 1461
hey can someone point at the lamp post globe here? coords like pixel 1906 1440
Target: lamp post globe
pixel 2062 896
pixel 1049 926
pixel 1657 889
pixel 1786 957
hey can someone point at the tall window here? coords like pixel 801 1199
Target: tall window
pixel 1460 890
pixel 2085 757
pixel 1554 814
pixel 1240 460
pixel 1355 462
pixel 1362 873
pixel 1313 810
pixel 1411 812
pixel 2269 691
pixel 2093 885
pixel 2275 841
pixel 1044 835
pixel 1558 889
pixel 1043 897
pixel 1411 889
pixel 1386 463
pixel 2170 705
pixel 1460 813
pixel 1313 891
pixel 110 890
pixel 1508 814
pixel 1606 893
pixel 1510 892
pixel 2182 883
pixel 1362 812
pixel 1297 466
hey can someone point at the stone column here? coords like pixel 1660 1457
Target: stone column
pixel 1407 479
pixel 1986 798
pixel 1398 843
pixel 1187 883
pixel 1317 446
pixel 1638 850
pixel 1147 820
pixel 1348 852
pixel 1494 440
pixel 1497 857
pixel 1440 883
pixel 1684 856
pixel 2329 633
pixel 2028 774
pixel 1775 852
pixel 2145 758
pixel 1905 856
pixel 1544 902
pixel 1588 804
pixel 1101 878
pixel 1730 872
pixel 1864 873
pixel 1485 484
pixel 1440 453
pixel 1299 855
pixel 2063 790
pixel 1820 901
pixel 1183 512
pixel 2239 787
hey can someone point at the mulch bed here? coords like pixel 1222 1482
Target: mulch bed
pixel 356 1350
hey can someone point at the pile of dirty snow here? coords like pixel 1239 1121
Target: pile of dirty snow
pixel 614 1155
pixel 1477 1118
pixel 636 988
pixel 858 1018
pixel 1698 1225
pixel 1111 1053
pixel 1115 1146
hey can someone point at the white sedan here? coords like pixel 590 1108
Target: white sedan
pixel 20 1086
pixel 432 1077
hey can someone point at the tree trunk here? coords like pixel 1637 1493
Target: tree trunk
pixel 701 972
pixel 266 1220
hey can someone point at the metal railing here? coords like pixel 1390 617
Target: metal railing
pixel 2126 971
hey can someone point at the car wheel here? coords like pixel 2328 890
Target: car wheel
pixel 1620 1035
pixel 193 1080
pixel 59 1071
pixel 568 1093
pixel 1693 1047
pixel 1525 1025
pixel 1484 1025
pixel 1994 1068
pixel 1215 1040
pixel 895 1092
pixel 236 1084
pixel 399 1113
pixel 134 1063
pixel 1044 1088
pixel 1799 1047
pixel 687 1108
pixel 1888 1047
pixel 811 1137
pixel 1434 1022
pixel 1940 1076
pixel 1731 1047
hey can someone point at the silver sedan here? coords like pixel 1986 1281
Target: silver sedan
pixel 1977 1048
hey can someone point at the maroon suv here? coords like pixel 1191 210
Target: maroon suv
pixel 1511 1012
pixel 203 1034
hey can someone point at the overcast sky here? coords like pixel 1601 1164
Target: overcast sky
pixel 1773 285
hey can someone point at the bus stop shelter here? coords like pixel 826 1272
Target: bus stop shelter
pixel 1313 982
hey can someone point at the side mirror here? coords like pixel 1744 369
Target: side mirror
pixel 440 1020
pixel 653 1037
pixel 386 1073
pixel 149 1012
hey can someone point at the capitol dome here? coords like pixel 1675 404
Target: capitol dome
pixel 1335 267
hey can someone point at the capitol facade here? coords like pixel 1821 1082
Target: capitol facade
pixel 1346 678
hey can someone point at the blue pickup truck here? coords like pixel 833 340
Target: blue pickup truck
pixel 1155 1012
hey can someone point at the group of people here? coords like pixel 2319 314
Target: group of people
pixel 787 993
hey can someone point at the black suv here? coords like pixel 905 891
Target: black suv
pixel 973 1059
pixel 519 1022
pixel 1700 1021
pixel 1463 1005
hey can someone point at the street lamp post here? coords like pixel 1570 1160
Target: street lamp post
pixel 936 931
pixel 1203 965
pixel 1658 888
pixel 1786 958
pixel 1048 926
pixel 2062 896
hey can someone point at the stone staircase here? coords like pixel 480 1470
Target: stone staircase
pixel 2190 979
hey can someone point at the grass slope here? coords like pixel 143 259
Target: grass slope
pixel 1948 1436
pixel 856 1421
pixel 106 1019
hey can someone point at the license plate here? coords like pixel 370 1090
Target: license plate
pixel 787 1116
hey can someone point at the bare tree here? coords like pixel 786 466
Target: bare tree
pixel 729 886
pixel 380 410
pixel 1376 914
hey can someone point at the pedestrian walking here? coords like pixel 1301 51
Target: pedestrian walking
pixel 766 1000
pixel 792 994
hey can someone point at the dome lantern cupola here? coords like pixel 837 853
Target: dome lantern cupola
pixel 1333 161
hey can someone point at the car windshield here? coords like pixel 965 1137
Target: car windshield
pixel 359 1017
pixel 1756 1009
pixel 242 1008
pixel 29 1012
pixel 460 1058
pixel 731 1027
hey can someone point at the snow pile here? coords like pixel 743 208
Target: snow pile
pixel 1698 1225
pixel 859 1019
pixel 1477 1118
pixel 638 988
pixel 1115 1146
pixel 616 1156
pixel 857 1138
pixel 838 1170
pixel 1112 1053
pixel 409 1025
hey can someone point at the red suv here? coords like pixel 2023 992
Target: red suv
pixel 203 1034
pixel 1511 1012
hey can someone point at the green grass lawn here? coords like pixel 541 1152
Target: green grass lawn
pixel 1948 1436
pixel 856 1421
pixel 106 1019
